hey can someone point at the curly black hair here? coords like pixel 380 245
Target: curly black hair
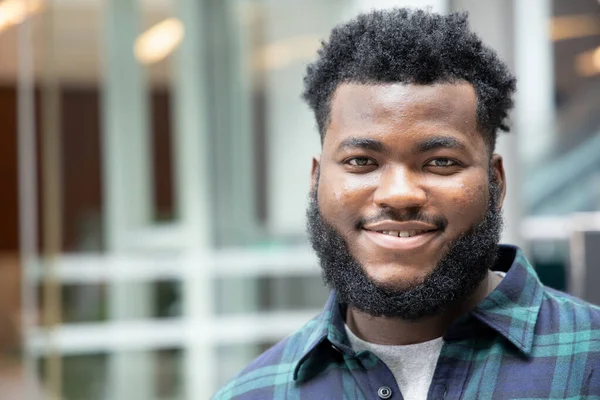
pixel 411 46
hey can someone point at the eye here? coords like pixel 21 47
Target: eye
pixel 442 162
pixel 360 162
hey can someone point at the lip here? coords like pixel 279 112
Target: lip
pixel 398 243
pixel 400 226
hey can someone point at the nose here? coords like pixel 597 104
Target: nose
pixel 399 188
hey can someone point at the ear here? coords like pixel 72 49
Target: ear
pixel 497 168
pixel 314 172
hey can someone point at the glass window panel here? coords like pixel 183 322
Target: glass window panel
pixel 567 180
pixel 232 359
pixel 551 261
pixel 274 293
pixel 86 376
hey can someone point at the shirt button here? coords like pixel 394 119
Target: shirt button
pixel 384 392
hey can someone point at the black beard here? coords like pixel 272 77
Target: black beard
pixel 461 269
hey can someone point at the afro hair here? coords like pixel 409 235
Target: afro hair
pixel 413 47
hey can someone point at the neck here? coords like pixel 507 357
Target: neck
pixel 397 331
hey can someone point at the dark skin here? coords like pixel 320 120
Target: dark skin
pixel 405 148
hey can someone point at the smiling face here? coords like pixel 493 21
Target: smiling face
pixel 404 173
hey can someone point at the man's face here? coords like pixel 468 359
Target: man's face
pixel 404 174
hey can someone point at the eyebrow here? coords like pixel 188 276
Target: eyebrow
pixel 439 142
pixel 362 143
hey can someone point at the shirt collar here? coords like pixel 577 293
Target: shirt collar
pixel 328 332
pixel 513 307
pixel 511 310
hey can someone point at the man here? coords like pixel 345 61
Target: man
pixel 405 217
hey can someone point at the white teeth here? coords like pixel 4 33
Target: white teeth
pixel 391 233
pixel 402 234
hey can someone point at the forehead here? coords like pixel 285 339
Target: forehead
pixel 409 110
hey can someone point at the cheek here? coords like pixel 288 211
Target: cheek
pixel 341 201
pixel 353 185
pixel 465 203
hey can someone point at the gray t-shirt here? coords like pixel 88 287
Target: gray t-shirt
pixel 413 365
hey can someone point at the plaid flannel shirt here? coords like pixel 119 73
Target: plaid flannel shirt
pixel 524 341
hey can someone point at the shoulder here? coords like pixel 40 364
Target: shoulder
pixel 567 335
pixel 565 301
pixel 275 367
pixel 563 313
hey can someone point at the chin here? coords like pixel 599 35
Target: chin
pixel 397 277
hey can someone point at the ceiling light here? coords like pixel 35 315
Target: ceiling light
pixel 588 63
pixel 13 12
pixel 159 41
pixel 574 26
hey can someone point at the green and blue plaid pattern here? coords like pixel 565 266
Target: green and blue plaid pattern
pixel 524 341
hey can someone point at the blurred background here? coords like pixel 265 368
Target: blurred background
pixel 154 172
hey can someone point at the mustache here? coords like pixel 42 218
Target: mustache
pixel 405 216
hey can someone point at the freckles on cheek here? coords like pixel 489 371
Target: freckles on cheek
pixel 467 199
pixel 338 196
pixel 344 206
pixel 350 191
pixel 477 198
pixel 344 202
pixel 481 192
